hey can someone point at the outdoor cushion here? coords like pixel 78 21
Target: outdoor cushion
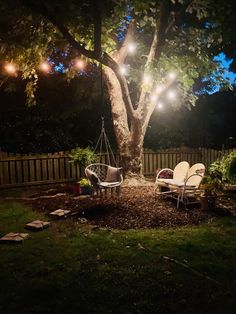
pixel 113 174
pixel 108 184
pixel 172 183
pixel 92 176
pixel 166 182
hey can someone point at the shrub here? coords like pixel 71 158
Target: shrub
pixel 83 156
pixel 226 166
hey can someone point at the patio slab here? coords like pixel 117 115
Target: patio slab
pixel 60 213
pixel 14 237
pixel 37 225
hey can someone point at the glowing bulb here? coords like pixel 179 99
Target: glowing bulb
pixel 147 79
pixel 171 94
pixel 132 48
pixel 80 64
pixel 159 89
pixel 153 97
pixel 45 66
pixel 10 68
pixel 123 69
pixel 171 76
pixel 160 105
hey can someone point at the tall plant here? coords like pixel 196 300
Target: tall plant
pixel 226 166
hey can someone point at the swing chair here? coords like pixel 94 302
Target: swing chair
pixel 104 175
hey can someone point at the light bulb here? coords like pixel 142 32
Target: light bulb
pixel 123 69
pixel 132 48
pixel 171 94
pixel 160 105
pixel 171 76
pixel 159 89
pixel 80 64
pixel 45 66
pixel 153 97
pixel 10 68
pixel 147 79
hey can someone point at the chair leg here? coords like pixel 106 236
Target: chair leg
pixel 118 191
pixel 178 201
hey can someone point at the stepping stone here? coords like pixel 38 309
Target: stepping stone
pixel 60 213
pixel 37 225
pixel 14 237
pixel 82 220
pixel 81 197
pixel 86 229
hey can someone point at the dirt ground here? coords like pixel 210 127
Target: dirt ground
pixel 137 207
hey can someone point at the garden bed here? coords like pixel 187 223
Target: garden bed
pixel 136 208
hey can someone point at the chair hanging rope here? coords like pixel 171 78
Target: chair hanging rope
pixel 104 141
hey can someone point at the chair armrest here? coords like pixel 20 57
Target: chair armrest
pixel 162 170
pixel 193 175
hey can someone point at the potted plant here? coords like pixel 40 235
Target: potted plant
pixel 85 186
pixel 82 157
pixel 212 186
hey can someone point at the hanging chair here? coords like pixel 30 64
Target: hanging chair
pixel 104 175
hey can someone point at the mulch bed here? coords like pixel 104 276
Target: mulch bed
pixel 136 208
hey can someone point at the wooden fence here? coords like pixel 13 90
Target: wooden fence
pixel 20 170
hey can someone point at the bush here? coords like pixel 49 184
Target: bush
pixel 83 156
pixel 226 166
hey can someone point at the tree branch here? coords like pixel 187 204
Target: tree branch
pixel 162 25
pixel 104 58
pixel 97 30
pixel 112 64
pixel 41 9
pixel 121 54
pixel 157 43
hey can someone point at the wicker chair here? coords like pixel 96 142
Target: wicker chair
pixel 104 177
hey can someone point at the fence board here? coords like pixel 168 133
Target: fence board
pixel 20 170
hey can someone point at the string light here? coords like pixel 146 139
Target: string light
pixel 147 79
pixel 171 76
pixel 132 48
pixel 80 64
pixel 45 67
pixel 171 94
pixel 10 68
pixel 153 97
pixel 123 69
pixel 159 89
pixel 160 105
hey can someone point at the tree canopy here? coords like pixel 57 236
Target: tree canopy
pixel 152 53
pixel 190 34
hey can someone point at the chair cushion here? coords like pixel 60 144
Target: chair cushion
pixel 113 174
pixel 167 182
pixel 109 184
pixel 92 176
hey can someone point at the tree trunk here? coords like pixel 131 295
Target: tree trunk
pixel 129 134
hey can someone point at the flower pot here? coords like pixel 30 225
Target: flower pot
pixel 76 188
pixel 208 202
pixel 86 190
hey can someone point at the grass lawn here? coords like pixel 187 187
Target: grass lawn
pixel 61 270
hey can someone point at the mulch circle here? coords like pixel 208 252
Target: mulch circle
pixel 136 208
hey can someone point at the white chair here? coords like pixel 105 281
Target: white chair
pixel 102 176
pixel 191 185
pixel 182 190
pixel 180 173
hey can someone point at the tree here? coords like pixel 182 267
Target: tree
pixel 174 42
